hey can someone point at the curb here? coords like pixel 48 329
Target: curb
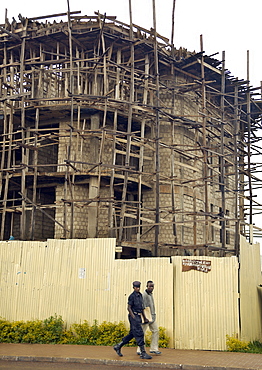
pixel 115 363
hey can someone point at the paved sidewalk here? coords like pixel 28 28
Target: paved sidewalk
pixel 170 358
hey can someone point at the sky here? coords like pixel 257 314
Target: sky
pixel 233 26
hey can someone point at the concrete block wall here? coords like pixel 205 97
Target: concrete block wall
pixel 47 154
pixel 80 219
pixel 43 225
pixel 103 210
pixel 64 142
pixel 82 150
pixel 87 150
pixel 188 104
pixel 80 215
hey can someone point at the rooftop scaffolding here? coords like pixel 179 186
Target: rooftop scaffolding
pixel 107 130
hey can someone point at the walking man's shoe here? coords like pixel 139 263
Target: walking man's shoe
pixel 143 353
pixel 156 352
pixel 145 356
pixel 118 347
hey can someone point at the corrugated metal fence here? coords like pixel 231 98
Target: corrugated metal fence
pixel 206 303
pixel 81 280
pixel 250 291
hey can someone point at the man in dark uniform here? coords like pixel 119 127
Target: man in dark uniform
pixel 135 307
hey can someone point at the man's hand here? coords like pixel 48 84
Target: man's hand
pixel 146 321
pixel 130 311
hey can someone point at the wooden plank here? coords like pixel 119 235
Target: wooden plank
pixel 53 15
pixel 134 155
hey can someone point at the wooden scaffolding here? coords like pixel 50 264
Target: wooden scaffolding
pixel 93 116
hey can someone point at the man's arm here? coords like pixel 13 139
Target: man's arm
pixel 146 300
pixel 144 306
pixel 130 311
pixel 144 317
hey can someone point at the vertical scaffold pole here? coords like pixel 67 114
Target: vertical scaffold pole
pixel 157 134
pixel 204 143
pixel 249 152
pixel 222 157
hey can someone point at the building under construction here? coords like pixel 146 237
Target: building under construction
pixel 107 130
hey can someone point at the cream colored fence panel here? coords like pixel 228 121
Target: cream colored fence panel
pixel 68 278
pixel 79 280
pixel 250 292
pixel 205 304
pixel 17 262
pixel 160 270
pixel 80 287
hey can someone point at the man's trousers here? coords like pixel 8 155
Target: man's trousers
pixel 153 327
pixel 135 331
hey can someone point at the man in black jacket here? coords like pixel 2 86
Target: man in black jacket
pixel 135 309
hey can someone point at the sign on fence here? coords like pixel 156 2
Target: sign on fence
pixel 199 265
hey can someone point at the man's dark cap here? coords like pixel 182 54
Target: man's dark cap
pixel 136 283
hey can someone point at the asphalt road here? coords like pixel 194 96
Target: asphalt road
pixel 21 365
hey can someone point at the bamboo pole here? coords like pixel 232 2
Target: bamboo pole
pixel 141 158
pixel 236 165
pixel 222 158
pixel 35 162
pixel 204 150
pixel 4 145
pixel 172 180
pixel 68 179
pixel 129 127
pixel 173 200
pixel 249 151
pixel 7 176
pixel 111 214
pixel 23 134
pixel 157 133
pixel 173 23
